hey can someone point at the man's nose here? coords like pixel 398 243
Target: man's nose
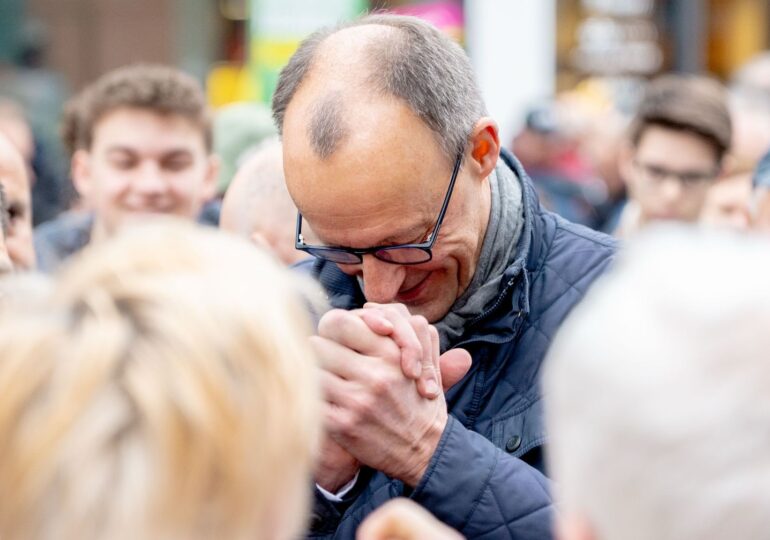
pixel 671 189
pixel 382 280
pixel 149 178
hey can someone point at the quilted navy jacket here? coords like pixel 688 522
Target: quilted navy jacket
pixel 486 478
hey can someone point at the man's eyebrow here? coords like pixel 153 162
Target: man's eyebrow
pixel 177 152
pixel 171 152
pixel 119 148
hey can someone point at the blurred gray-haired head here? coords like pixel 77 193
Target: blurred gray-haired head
pixel 657 393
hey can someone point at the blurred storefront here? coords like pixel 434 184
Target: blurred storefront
pixel 623 42
pixel 521 49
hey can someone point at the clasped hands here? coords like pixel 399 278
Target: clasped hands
pixel 382 377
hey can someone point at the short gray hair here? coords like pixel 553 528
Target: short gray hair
pixel 657 393
pixel 418 64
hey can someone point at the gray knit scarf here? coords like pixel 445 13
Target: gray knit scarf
pixel 506 220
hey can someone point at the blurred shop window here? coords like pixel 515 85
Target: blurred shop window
pixel 738 29
pixel 617 42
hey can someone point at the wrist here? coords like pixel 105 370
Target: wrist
pixel 334 480
pixel 424 451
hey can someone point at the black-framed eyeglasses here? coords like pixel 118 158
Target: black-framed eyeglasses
pixel 687 179
pixel 396 254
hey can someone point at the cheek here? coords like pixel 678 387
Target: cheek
pixel 110 182
pixel 187 185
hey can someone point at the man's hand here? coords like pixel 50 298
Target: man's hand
pixel 373 410
pixel 335 467
pixel 402 519
pixel 395 321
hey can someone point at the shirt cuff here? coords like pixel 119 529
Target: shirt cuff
pixel 344 490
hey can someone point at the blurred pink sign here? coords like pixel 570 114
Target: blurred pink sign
pixel 446 16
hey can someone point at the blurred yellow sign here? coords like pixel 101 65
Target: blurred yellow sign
pixel 229 83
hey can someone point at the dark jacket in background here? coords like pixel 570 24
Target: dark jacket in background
pixel 486 477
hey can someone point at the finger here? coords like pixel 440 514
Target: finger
pixel 454 364
pixel 338 422
pixel 335 391
pixel 401 309
pixel 341 361
pixel 349 330
pixel 404 336
pixel 376 321
pixel 428 383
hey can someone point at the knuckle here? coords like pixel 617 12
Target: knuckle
pixel 332 320
pixel 379 385
pixel 391 352
pixel 344 424
pixel 361 406
pixel 419 323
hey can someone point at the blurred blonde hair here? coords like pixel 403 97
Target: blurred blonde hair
pixel 163 389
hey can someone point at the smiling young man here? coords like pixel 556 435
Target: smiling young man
pixel 393 162
pixel 141 141
pixel 678 140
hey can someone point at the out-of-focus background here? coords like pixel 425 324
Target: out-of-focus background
pixel 549 65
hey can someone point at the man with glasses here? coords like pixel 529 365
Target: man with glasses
pixel 678 139
pixel 430 241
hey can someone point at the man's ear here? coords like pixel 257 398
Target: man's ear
pixel 211 180
pixel 80 169
pixel 485 147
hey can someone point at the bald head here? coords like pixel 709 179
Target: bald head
pixel 383 56
pixel 15 181
pixel 258 207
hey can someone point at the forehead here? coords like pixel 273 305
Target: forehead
pixel 677 149
pixel 387 174
pixel 146 129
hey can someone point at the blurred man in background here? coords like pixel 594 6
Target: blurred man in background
pixel 141 137
pixel 551 158
pixel 14 177
pixel 50 192
pixel 672 442
pixel 678 140
pixel 727 203
pixel 750 110
pixel 258 207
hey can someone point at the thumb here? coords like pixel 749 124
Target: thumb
pixel 454 364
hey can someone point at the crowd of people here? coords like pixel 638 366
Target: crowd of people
pixel 359 315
